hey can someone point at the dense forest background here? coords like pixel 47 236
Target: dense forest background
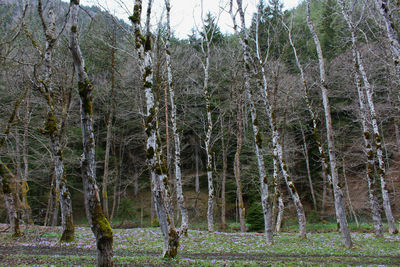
pixel 111 62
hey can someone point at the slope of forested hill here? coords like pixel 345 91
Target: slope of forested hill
pixel 109 49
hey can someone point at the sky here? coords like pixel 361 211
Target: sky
pixel 185 14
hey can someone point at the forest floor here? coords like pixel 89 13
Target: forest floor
pixel 142 247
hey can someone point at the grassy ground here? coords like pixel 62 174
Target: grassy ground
pixel 142 247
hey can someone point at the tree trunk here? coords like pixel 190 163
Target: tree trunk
pixel 326 174
pixel 52 127
pixel 369 153
pixel 378 148
pixel 279 218
pixel 310 183
pixel 386 13
pixel 196 179
pixel 338 193
pixel 224 170
pixel 236 168
pixel 178 172
pixel 111 110
pixel 25 176
pixel 155 160
pixel 98 222
pixel 10 199
pixel 277 144
pixel 266 199
pixel 357 59
pixel 348 195
pixel 207 141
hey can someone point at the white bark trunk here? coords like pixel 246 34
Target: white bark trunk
pixel 378 147
pixel 239 195
pixel 266 199
pixel 277 143
pixel 281 207
pixel 52 127
pixel 178 172
pixel 98 222
pixel 385 10
pixel 338 193
pixel 155 161
pixel 207 141
pixel 317 138
pixel 25 176
pixel 370 159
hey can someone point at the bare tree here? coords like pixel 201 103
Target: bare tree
pixel 386 9
pixel 266 198
pixel 368 150
pixel 52 125
pixel 276 139
pixel 97 221
pixel 236 163
pixel 338 193
pixel 155 161
pixel 8 180
pixel 178 172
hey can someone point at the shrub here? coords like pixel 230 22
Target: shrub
pixel 255 218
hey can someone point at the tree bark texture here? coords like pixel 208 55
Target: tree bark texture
pixel 109 124
pixel 310 183
pixel 337 190
pixel 52 127
pixel 207 141
pixel 177 141
pixel 324 160
pixel 236 168
pixel 9 184
pixel 155 161
pixel 372 114
pixel 266 199
pixel 368 151
pixel 10 199
pixel 98 222
pixel 224 171
pixel 25 174
pixel 385 10
pixel 378 148
pixel 277 142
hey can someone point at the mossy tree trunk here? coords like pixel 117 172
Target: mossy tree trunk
pixel 266 199
pixel 52 127
pixel 10 199
pixel 378 147
pixel 155 160
pixel 326 174
pixel 337 190
pixel 386 12
pixel 370 108
pixel 276 139
pixel 177 141
pixel 369 153
pixel 98 222
pixel 9 185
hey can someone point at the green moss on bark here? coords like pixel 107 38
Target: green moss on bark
pixel 85 92
pixel 101 224
pixel 51 124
